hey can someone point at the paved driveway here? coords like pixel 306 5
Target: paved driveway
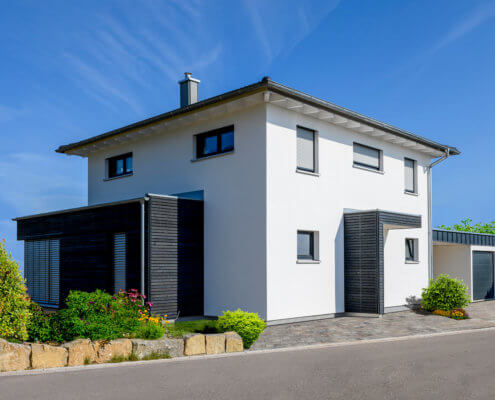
pixel 358 328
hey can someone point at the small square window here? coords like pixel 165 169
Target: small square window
pixel 305 245
pixel 119 165
pixel 215 142
pixel 411 250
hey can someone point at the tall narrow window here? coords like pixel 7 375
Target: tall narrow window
pixel 42 270
pixel 306 149
pixel 368 157
pixel 119 261
pixel 410 175
pixel 215 142
pixel 119 165
pixel 305 245
pixel 411 250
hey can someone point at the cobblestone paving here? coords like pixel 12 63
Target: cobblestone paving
pixel 346 329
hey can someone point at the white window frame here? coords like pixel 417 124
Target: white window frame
pixel 415 176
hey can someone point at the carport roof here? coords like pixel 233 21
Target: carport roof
pixel 468 238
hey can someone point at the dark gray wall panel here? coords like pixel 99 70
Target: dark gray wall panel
pixel 440 235
pixel 482 275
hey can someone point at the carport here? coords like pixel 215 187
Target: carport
pixel 467 256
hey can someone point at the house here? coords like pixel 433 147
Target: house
pixel 266 199
pixel 467 256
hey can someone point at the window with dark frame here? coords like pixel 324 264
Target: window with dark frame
pixel 305 245
pixel 410 175
pixel 120 165
pixel 411 249
pixel 367 157
pixel 215 142
pixel 306 149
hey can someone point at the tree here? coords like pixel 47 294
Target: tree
pixel 14 301
pixel 466 226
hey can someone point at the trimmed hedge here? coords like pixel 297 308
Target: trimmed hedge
pixel 445 293
pixel 248 325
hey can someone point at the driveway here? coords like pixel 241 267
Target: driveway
pixel 458 366
pixel 348 329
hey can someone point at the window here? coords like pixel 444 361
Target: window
pixel 367 157
pixel 305 245
pixel 411 250
pixel 119 165
pixel 119 262
pixel 306 149
pixel 42 270
pixel 215 142
pixel 410 175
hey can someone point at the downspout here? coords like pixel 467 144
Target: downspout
pixel 430 221
pixel 143 242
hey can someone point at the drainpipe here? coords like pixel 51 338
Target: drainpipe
pixel 143 243
pixel 430 221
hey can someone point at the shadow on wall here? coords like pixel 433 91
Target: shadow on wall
pixel 339 267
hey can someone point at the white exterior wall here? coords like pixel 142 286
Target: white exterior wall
pixel 234 199
pixel 298 201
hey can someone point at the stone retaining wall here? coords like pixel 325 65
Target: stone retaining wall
pixel 20 356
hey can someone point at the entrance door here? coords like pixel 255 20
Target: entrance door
pixel 482 275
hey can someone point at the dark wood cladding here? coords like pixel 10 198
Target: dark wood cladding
pixel 440 235
pixel 175 245
pixel 364 257
pixel 86 244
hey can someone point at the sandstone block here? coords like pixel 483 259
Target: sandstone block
pixel 194 344
pixel 105 351
pixel 215 343
pixel 46 356
pixel 233 342
pixel 79 351
pixel 14 356
pixel 143 348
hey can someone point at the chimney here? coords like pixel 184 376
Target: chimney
pixel 188 90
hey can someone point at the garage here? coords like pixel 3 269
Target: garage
pixel 469 257
pixel 482 275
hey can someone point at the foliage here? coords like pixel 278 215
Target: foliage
pixel 149 330
pixel 445 293
pixel 248 325
pixel 179 329
pixel 43 327
pixel 101 316
pixel 457 313
pixel 14 302
pixel 466 226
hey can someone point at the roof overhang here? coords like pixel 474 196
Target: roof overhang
pixel 265 91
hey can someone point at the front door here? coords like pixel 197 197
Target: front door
pixel 482 275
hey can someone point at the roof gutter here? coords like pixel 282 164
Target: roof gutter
pixel 430 220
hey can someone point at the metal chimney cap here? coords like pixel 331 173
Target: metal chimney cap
pixel 188 77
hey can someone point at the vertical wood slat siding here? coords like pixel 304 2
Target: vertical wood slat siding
pixel 364 245
pixel 175 246
pixel 119 260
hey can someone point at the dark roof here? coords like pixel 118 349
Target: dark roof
pixel 267 84
pixel 457 237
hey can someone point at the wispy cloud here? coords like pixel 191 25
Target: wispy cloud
pixel 259 27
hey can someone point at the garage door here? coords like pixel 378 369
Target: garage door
pixel 482 275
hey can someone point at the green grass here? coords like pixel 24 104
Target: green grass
pixel 132 357
pixel 182 328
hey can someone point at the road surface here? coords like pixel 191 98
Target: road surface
pixel 460 366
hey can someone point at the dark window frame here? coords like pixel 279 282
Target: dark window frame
pixel 364 165
pixel 414 242
pixel 311 255
pixel 315 137
pixel 201 137
pixel 415 179
pixel 112 162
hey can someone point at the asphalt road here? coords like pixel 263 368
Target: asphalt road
pixel 460 366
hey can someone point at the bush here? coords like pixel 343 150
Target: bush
pixel 14 301
pixel 445 293
pixel 101 316
pixel 43 327
pixel 248 325
pixel 149 330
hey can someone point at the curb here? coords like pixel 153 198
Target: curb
pixel 242 354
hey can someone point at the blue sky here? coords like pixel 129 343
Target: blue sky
pixel 71 70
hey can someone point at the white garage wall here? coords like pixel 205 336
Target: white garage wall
pixel 454 260
pixel 234 199
pixel 298 201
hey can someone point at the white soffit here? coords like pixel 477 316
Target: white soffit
pixel 360 127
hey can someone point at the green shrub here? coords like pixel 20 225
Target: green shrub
pixel 38 328
pixel 149 330
pixel 14 302
pixel 445 293
pixel 248 325
pixel 101 316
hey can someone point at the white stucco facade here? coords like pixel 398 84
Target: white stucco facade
pixel 255 202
